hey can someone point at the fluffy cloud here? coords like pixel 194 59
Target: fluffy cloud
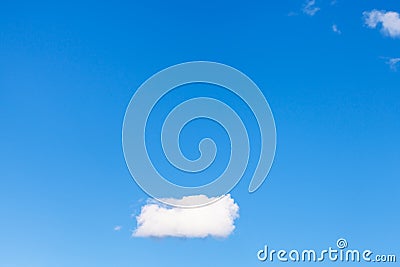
pixel 117 228
pixel 390 21
pixel 216 219
pixel 309 8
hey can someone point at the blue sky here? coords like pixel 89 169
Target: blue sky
pixel 69 69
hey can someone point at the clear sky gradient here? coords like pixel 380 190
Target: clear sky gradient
pixel 68 70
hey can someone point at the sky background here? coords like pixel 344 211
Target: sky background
pixel 69 69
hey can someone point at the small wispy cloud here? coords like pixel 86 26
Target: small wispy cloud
pixel 336 29
pixel 309 8
pixel 393 63
pixel 389 21
pixel 216 219
pixel 117 228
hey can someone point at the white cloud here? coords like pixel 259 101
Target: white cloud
pixel 216 219
pixel 336 29
pixel 389 20
pixel 393 62
pixel 309 8
pixel 117 228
